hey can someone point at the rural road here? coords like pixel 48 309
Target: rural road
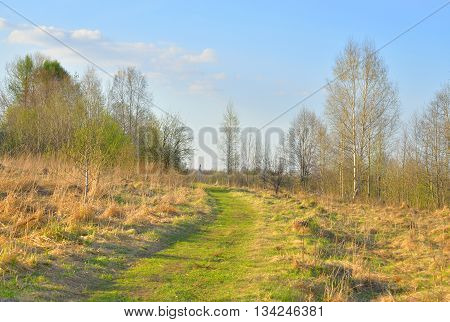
pixel 224 261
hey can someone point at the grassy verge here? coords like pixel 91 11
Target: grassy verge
pixel 226 245
pixel 208 265
pixel 357 252
pixel 231 259
pixel 54 247
pixel 262 247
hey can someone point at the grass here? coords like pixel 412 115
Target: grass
pixel 274 248
pixel 356 252
pixel 54 247
pixel 144 238
pixel 208 265
pixel 230 253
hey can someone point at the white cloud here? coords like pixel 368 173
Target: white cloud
pixel 153 75
pixel 86 34
pixel 165 64
pixel 281 93
pixel 197 88
pixel 2 23
pixel 208 55
pixel 201 87
pixel 35 36
pixel 219 76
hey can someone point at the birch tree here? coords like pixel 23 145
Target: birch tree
pixel 434 129
pixel 278 170
pixel 230 139
pixel 175 143
pixel 304 144
pixel 130 103
pixel 98 140
pixel 361 106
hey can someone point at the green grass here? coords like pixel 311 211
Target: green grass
pixel 96 254
pixel 229 259
pixel 10 288
pixel 250 247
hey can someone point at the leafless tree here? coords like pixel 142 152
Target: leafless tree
pixel 362 107
pixel 433 130
pixel 265 166
pixel 130 103
pixel 279 166
pixel 175 143
pixel 304 143
pixel 230 139
pixel 92 95
pixel 98 140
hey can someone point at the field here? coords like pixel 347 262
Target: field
pixel 163 237
pixel 55 247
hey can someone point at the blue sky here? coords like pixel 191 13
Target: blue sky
pixel 262 55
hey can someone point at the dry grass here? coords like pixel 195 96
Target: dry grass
pixel 84 213
pixel 112 212
pixel 343 252
pixel 44 220
pixel 362 252
pixel 140 216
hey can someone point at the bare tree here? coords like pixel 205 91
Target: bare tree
pixel 230 139
pixel 130 103
pixel 250 152
pixel 265 166
pixel 362 107
pixel 175 143
pixel 378 113
pixel 303 144
pixel 324 155
pixel 93 108
pixel 279 166
pixel 341 106
pixel 434 127
pixel 93 99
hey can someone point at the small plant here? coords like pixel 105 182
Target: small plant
pixel 111 212
pixel 84 213
pixel 337 285
pixel 301 225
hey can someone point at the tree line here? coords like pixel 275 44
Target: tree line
pixel 46 110
pixel 361 150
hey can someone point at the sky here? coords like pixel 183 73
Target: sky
pixel 264 56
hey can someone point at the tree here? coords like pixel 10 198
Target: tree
pixel 130 104
pixel 265 166
pixel 171 143
pixel 362 108
pixel 230 139
pixel 250 158
pixel 20 80
pixel 97 144
pixel 324 155
pixel 304 144
pixel 378 113
pixel 278 169
pixel 41 101
pixel 47 110
pixel 92 95
pixel 433 130
pixel 98 141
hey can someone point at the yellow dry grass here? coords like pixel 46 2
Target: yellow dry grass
pixel 358 251
pixel 43 216
pixel 112 212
